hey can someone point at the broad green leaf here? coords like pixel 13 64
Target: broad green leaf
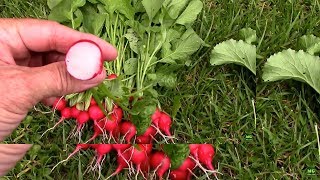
pixel 133 40
pixel 115 87
pixel 53 3
pixel 290 64
pixel 77 3
pixel 249 35
pixel 189 43
pixel 61 12
pixel 307 41
pixel 130 66
pixel 78 19
pixel 152 7
pixel 174 7
pixel 93 22
pixel 122 6
pixel 177 153
pixel 190 14
pixel 232 51
pixel 314 49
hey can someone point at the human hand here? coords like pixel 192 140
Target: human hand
pixel 32 67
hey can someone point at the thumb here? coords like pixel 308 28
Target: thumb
pixel 54 80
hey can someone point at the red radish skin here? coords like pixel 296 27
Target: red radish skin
pixel 102 150
pixel 179 175
pixel 118 113
pixel 122 159
pixel 82 119
pixel 97 129
pixel 59 104
pixel 75 112
pixel 156 116
pixel 138 157
pixel 112 76
pixel 160 162
pixel 151 131
pixel 120 147
pixel 188 164
pixel 128 130
pixel 165 124
pixel 95 112
pixel 65 114
pixel 143 139
pixel 194 150
pixel 84 60
pixel 92 102
pixel 205 155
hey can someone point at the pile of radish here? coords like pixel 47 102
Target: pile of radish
pixel 151 162
pixel 114 128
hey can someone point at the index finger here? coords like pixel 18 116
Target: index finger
pixel 43 35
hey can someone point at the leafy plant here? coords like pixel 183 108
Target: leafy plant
pixel 298 65
pixel 238 52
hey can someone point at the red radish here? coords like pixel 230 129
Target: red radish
pixel 110 124
pixel 92 102
pixel 188 164
pixel 151 131
pixel 118 113
pixel 97 129
pixel 143 139
pixel 179 175
pixel 145 147
pixel 112 76
pixel 128 130
pixel 60 104
pixel 145 168
pixel 123 162
pixel 194 150
pixel 155 116
pixel 75 112
pixel 138 157
pixel 102 150
pixel 95 112
pixel 82 119
pixel 165 123
pixel 205 155
pixel 84 60
pixel 160 162
pixel 120 147
pixel 65 114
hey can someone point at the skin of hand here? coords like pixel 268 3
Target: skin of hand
pixel 32 70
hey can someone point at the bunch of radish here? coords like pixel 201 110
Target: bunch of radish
pixel 118 129
pixel 150 162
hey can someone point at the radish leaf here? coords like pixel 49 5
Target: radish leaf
pixel 232 51
pixel 174 7
pixel 290 64
pixel 310 43
pixel 93 22
pixel 177 153
pixel 249 35
pixel 122 6
pixel 152 7
pixel 190 14
pixel 130 66
pixel 53 3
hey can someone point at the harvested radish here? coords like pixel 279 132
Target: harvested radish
pixel 59 104
pixel 187 165
pixel 179 175
pixel 120 147
pixel 194 150
pixel 95 112
pixel 138 157
pixel 102 150
pixel 160 162
pixel 146 147
pixel 92 102
pixel 75 112
pixel 151 131
pixel 156 116
pixel 165 123
pixel 112 76
pixel 65 114
pixel 123 160
pixel 97 129
pixel 128 130
pixel 84 60
pixel 143 139
pixel 82 119
pixel 205 155
pixel 118 113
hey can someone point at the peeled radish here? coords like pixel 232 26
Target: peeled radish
pixel 84 60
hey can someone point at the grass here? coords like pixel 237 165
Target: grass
pixel 260 130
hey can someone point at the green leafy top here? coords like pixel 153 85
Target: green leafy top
pixel 290 64
pixel 177 153
pixel 310 43
pixel 232 51
pixel 249 35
